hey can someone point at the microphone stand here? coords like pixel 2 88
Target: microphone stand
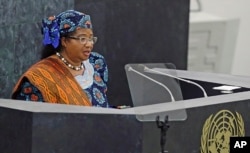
pixel 171 76
pixel 164 127
pixel 129 68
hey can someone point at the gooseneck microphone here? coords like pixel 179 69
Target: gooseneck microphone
pixel 129 68
pixel 172 76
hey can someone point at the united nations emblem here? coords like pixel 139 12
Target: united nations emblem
pixel 218 129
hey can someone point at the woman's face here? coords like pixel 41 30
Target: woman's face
pixel 77 47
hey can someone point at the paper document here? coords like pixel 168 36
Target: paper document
pixel 226 87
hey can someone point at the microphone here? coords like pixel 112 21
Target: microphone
pixel 172 76
pixel 129 68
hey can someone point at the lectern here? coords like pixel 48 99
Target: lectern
pixel 33 127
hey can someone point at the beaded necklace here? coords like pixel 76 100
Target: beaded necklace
pixel 77 68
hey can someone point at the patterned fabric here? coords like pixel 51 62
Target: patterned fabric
pixel 96 92
pixel 56 84
pixel 65 22
pixel 29 92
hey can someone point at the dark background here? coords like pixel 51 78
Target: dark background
pixel 141 31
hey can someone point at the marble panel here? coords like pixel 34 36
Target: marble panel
pixel 28 11
pixel 6 50
pixel 14 12
pixel 56 6
pixel 7 12
pixel 28 40
pixel 4 86
pixel 7 84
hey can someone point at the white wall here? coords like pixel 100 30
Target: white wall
pixel 234 9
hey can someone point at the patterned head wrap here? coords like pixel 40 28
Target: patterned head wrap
pixel 68 21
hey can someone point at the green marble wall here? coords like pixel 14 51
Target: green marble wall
pixel 20 36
